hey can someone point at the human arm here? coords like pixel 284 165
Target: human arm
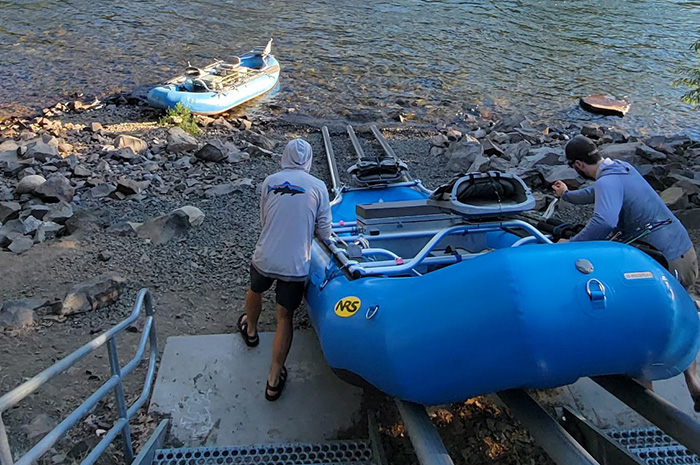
pixel 324 220
pixel 608 203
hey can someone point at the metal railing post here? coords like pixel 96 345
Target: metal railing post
pixel 5 452
pixel 121 402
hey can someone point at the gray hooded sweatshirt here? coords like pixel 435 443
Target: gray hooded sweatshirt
pixel 293 204
pixel 624 201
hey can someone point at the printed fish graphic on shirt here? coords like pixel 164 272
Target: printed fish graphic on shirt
pixel 286 188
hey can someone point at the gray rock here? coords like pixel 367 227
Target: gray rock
pixel 9 211
pixel 180 141
pixel 222 189
pixel 134 143
pixel 258 140
pixel 81 172
pixel 30 224
pixel 162 229
pixel 592 131
pixel 492 148
pixel 123 154
pixel 194 214
pixel 560 173
pixel 59 213
pixel 18 314
pixel 42 151
pixel 436 151
pixel 255 151
pixel 650 154
pixel 95 293
pixel 653 175
pixel 618 136
pixel 453 134
pixel 21 244
pixel 509 123
pixel 675 198
pixel 626 152
pixel 480 133
pixel 6 194
pixel 46 231
pixel 221 123
pixel 542 156
pixel 517 151
pixel 212 151
pixel 480 164
pixel 55 189
pixel 101 191
pixel 439 140
pixel 128 186
pixel 29 184
pixel 690 218
pixel 463 153
pixel 183 163
pixel 236 155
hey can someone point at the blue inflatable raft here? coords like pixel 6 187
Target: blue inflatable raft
pixel 435 297
pixel 221 85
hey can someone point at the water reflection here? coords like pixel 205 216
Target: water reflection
pixel 434 58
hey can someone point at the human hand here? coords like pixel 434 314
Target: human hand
pixel 559 188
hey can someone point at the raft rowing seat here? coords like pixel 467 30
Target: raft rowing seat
pixel 372 171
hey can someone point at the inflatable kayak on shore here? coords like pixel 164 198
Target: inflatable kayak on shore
pixel 220 86
pixel 435 297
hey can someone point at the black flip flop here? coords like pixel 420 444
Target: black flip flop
pixel 276 390
pixel 250 341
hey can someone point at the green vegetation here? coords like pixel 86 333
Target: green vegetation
pixel 691 78
pixel 183 117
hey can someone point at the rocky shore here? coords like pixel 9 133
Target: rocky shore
pixel 98 200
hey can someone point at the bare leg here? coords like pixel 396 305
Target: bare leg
pixel 281 344
pixel 253 307
pixel 693 381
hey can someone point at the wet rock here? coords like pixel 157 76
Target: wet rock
pixel 128 186
pixel 162 229
pixel 650 154
pixel 9 211
pixel 259 140
pixel 59 213
pixel 18 314
pixel 212 151
pixel 463 153
pixel 134 143
pixel 55 189
pixel 180 141
pixel 101 191
pixel 29 184
pixel 93 294
pixel 21 244
pixel 604 105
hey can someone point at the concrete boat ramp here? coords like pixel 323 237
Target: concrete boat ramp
pixel 212 389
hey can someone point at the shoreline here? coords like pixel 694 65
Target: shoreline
pixel 116 167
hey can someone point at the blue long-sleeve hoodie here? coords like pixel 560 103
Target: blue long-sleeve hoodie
pixel 625 202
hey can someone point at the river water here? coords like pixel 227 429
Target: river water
pixel 427 59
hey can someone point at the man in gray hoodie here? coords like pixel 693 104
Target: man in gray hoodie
pixel 293 205
pixel 625 202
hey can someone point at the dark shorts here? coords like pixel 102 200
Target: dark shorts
pixel 288 293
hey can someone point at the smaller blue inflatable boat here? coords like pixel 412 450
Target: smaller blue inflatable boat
pixel 220 86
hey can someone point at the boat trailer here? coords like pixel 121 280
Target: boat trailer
pixel 572 440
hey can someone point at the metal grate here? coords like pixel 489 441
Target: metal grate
pixel 654 446
pixel 326 453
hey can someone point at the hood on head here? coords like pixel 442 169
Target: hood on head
pixel 297 155
pixel 618 167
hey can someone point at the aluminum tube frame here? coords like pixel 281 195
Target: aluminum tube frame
pixel 549 434
pixel 333 167
pixel 424 437
pixel 673 421
pixel 113 384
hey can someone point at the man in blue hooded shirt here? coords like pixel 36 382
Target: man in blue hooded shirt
pixel 625 202
pixel 293 206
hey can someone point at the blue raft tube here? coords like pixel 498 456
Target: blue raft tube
pixel 437 298
pixel 221 85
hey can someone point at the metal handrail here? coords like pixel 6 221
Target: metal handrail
pixel 13 397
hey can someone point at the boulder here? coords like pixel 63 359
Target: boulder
pixel 95 293
pixel 130 142
pixel 102 190
pixel 59 213
pixel 20 244
pixel 604 105
pixel 626 152
pixel 57 188
pixel 212 151
pixel 650 154
pixel 463 153
pixel 180 141
pixel 81 172
pixel 18 314
pixel 9 211
pixel 41 150
pixel 162 229
pixel 675 198
pixel 592 131
pixel 128 186
pixel 258 140
pixel 560 173
pixel 29 184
